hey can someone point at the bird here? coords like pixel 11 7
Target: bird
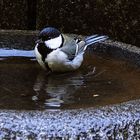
pixel 59 52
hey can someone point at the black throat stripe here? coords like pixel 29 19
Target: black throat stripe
pixel 44 51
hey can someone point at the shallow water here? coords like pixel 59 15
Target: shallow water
pixel 100 81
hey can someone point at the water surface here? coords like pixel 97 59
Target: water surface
pixel 101 80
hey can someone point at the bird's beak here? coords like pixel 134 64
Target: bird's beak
pixel 39 41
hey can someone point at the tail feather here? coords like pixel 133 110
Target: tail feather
pixel 90 37
pixel 94 39
pixel 82 45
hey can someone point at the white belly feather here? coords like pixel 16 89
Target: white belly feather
pixel 58 61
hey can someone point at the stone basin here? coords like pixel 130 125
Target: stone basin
pixel 117 120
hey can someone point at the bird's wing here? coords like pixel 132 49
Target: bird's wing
pixel 72 46
pixel 75 45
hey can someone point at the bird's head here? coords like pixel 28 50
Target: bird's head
pixel 50 37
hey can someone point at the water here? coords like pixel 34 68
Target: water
pixel 100 81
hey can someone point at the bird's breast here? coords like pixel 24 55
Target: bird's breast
pixel 57 60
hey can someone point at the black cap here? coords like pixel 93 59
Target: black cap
pixel 49 33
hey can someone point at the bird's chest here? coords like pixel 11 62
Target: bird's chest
pixel 57 60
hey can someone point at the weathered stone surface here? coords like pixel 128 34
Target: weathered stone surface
pixel 18 39
pixel 110 122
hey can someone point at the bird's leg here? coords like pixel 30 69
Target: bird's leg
pixel 91 72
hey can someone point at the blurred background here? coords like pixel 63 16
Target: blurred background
pixel 117 18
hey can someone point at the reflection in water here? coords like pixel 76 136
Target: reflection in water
pixel 23 84
pixel 59 89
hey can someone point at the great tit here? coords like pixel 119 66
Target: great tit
pixel 58 52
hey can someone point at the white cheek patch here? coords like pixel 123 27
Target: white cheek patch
pixel 54 43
